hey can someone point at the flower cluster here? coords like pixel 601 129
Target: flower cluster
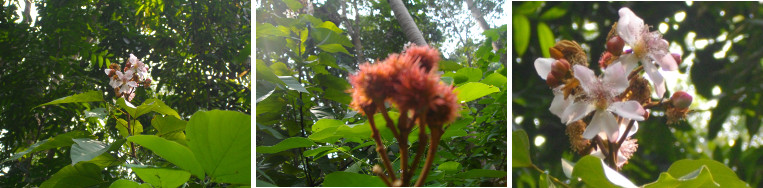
pixel 618 98
pixel 410 82
pixel 124 82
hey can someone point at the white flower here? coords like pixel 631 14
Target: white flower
pixel 601 97
pixel 647 47
pixel 543 68
pixel 138 67
pixel 127 84
pixel 627 148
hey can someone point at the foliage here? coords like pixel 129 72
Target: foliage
pixel 197 52
pixel 713 38
pixel 308 136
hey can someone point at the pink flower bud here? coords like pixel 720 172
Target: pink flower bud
pixel 681 100
pixel 677 57
pixel 551 80
pixel 560 68
pixel 615 45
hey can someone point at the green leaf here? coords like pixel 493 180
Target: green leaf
pixel 294 5
pixel 449 167
pixel 170 128
pixel 171 151
pixel 474 90
pixel 333 48
pixel 161 177
pixel 457 128
pixel 354 168
pixel 316 151
pixel 699 178
pixel 447 66
pixel 527 7
pixel 328 59
pixel 78 175
pixel 265 73
pixel 520 149
pixel 85 149
pixel 721 174
pixel 521 33
pixel 553 13
pixel 268 30
pixel 221 142
pixel 136 127
pixel 123 183
pixel 473 74
pixel 338 95
pixel 61 140
pixel 595 173
pixel 90 96
pixel 331 26
pixel 261 183
pixel 281 69
pixel 105 160
pixel 495 79
pixel 458 78
pixel 157 106
pixel 482 173
pixel 99 113
pixel 126 105
pixel 348 179
pixel 293 84
pixel 545 38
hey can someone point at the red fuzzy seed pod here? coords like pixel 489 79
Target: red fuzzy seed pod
pixel 615 45
pixel 677 57
pixel 681 100
pixel 560 68
pixel 551 80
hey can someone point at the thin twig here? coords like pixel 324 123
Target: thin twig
pixel 436 134
pixel 380 148
pixel 550 176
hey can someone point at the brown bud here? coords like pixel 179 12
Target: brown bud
pixel 681 100
pixel 615 45
pixel 571 51
pixel 560 68
pixel 551 80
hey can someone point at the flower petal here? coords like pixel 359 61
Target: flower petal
pixel 655 77
pixel 667 62
pixel 615 78
pixel 624 125
pixel 107 71
pixel 586 77
pixel 630 26
pixel 615 177
pixel 628 109
pixel 132 59
pixel 630 62
pixel 558 105
pixel 543 66
pixel 602 121
pixel 576 111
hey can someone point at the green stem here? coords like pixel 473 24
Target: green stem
pixel 550 176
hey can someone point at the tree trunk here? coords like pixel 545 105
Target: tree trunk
pixel 480 20
pixel 410 29
pixel 354 31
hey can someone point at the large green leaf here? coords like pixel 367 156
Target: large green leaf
pixel 520 149
pixel 293 84
pixel 482 173
pixel 699 178
pixel 521 33
pixel 348 179
pixel 136 127
pixel 474 90
pixel 221 142
pixel 265 73
pixel 327 36
pixel 170 128
pixel 595 173
pixel 105 160
pixel 90 96
pixel 495 79
pixel 553 13
pixel 157 106
pixel 448 66
pixel 331 26
pixel 545 181
pixel 85 149
pixel 123 183
pixel 294 5
pixel 61 140
pixel 721 174
pixel 171 151
pixel 161 177
pixel 545 38
pixel 268 30
pixel 333 48
pixel 78 175
pixel 472 74
pixel 449 167
pixel 289 143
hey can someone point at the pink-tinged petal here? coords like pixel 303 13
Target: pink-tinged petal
pixel 107 71
pixel 630 62
pixel 628 109
pixel 132 59
pixel 656 77
pixel 592 130
pixel 558 105
pixel 132 84
pixel 586 77
pixel 615 78
pixel 668 63
pixel 608 124
pixel 598 153
pixel 576 111
pixel 630 26
pixel 543 66
pixel 624 125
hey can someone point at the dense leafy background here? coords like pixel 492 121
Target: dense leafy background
pixel 197 52
pixel 722 68
pixel 306 133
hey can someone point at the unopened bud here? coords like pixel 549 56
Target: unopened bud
pixel 377 169
pixel 677 57
pixel 551 80
pixel 605 60
pixel 681 100
pixel 615 45
pixel 560 68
